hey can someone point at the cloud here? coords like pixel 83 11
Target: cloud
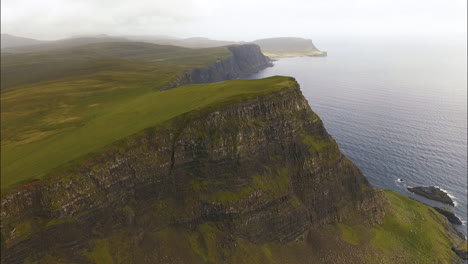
pixel 235 20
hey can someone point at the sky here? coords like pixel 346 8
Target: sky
pixel 234 20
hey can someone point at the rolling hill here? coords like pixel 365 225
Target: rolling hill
pixel 51 100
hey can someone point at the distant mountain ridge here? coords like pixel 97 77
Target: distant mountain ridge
pixel 271 47
pixel 8 41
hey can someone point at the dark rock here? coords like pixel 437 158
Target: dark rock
pixel 432 193
pixel 449 214
pixel 462 253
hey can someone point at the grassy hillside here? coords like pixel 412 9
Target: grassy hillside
pixel 46 96
pixel 288 47
pixel 102 61
pixel 412 232
pixel 48 124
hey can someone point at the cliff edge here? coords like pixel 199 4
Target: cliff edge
pixel 252 177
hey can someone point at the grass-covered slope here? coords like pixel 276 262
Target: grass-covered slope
pixel 109 61
pixel 47 125
pixel 411 233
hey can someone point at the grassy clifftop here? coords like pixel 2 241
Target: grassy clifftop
pixel 288 47
pixel 79 117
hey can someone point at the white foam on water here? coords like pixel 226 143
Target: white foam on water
pixel 447 192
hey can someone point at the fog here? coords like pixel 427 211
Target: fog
pixel 234 20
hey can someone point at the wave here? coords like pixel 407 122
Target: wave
pixel 454 199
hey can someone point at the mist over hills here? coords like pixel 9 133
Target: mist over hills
pixel 8 41
pixel 13 44
pixel 273 47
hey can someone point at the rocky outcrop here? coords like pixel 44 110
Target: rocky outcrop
pixel 449 215
pixel 432 193
pixel 462 252
pixel 246 59
pixel 264 170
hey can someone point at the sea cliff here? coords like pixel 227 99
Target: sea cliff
pixel 263 169
pixel 246 59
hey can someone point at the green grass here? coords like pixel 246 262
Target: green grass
pixel 412 232
pixel 416 229
pixel 100 252
pixel 271 185
pixel 288 47
pixel 23 229
pixel 350 234
pixel 315 144
pixel 204 242
pixel 39 135
pixel 110 57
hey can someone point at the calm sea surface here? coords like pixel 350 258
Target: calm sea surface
pixel 398 109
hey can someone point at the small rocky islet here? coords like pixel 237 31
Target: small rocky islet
pixel 432 193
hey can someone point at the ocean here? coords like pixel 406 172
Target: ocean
pixel 396 107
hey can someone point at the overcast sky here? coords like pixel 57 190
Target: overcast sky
pixel 233 20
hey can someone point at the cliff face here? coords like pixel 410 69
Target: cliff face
pixel 264 170
pixel 246 59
